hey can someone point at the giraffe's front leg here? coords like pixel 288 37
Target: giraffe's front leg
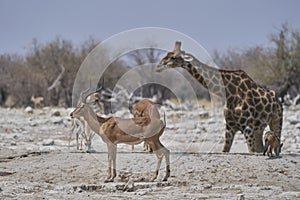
pixel 259 146
pixel 229 135
pixel 254 140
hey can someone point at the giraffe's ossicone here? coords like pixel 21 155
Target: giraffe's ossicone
pixel 249 107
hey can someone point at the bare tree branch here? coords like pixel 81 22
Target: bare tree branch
pixel 57 81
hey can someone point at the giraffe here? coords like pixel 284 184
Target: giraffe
pixel 249 107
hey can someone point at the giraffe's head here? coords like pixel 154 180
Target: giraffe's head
pixel 175 58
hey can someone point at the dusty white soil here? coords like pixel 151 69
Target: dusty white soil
pixel 36 161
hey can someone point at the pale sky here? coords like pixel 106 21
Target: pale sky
pixel 215 24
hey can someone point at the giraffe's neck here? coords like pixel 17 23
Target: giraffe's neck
pixel 209 77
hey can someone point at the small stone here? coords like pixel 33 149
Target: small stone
pixel 207 186
pixel 129 187
pixel 266 188
pixel 294 162
pixel 294 122
pixel 252 176
pixel 58 121
pixel 48 142
pixel 225 164
pixel 29 110
pixel 56 114
pixel 141 193
pixel 33 124
pixel 13 144
pixel 211 121
pixel 241 197
pixel 204 115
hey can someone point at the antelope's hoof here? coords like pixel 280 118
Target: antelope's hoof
pixel 165 179
pixel 109 180
pixel 91 151
pixel 152 179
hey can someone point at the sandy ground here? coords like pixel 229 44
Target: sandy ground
pixel 36 161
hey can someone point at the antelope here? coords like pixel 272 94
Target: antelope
pixel 272 143
pixel 77 125
pixel 115 130
pixel 37 101
pixel 81 128
pixel 145 108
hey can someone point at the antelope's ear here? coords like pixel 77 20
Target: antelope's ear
pixel 187 58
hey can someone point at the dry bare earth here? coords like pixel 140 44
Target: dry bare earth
pixel 36 163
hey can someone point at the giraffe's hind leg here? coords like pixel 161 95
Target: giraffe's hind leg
pixel 229 135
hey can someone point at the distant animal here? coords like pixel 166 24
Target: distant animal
pixel 272 143
pixel 37 101
pixel 145 108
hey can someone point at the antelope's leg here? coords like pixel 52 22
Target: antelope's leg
pixel 158 149
pixel 165 153
pixel 110 159
pixel 88 136
pixel 77 140
pixel 114 152
pixel 72 132
pixel 269 152
pixel 159 156
pixel 167 156
pixel 266 147
pixel 76 131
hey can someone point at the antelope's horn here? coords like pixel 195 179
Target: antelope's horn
pixel 177 46
pixel 100 86
pixel 83 99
